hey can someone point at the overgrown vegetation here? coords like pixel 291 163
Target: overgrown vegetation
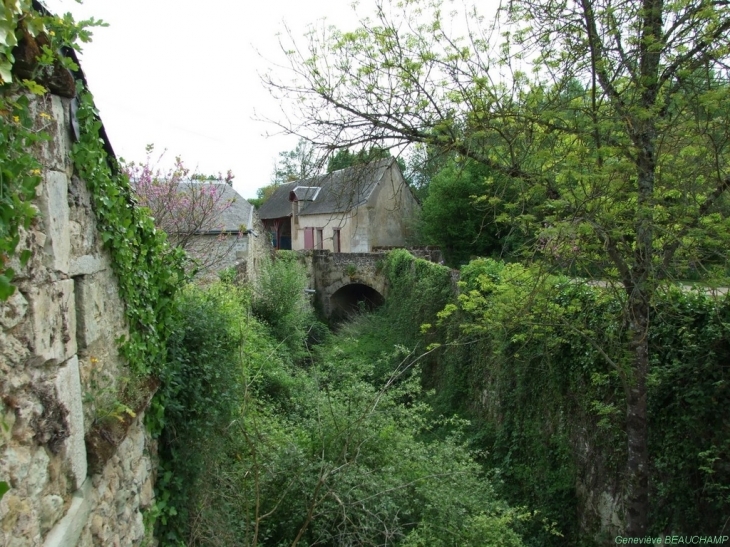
pixel 136 246
pixel 274 433
pixel 464 224
pixel 20 132
pixel 127 231
pixel 280 301
pixel 610 128
pixel 526 358
pixel 263 447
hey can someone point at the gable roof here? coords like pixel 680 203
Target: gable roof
pixel 304 193
pixel 240 211
pixel 340 191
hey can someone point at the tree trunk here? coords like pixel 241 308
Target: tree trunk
pixel 640 288
pixel 636 422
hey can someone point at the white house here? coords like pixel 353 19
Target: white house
pixel 351 210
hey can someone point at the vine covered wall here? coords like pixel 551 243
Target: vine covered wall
pixel 86 291
pixel 526 358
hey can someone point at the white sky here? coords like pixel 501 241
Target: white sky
pixel 183 75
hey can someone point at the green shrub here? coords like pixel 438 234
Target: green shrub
pixel 201 393
pixel 343 463
pixel 281 302
pixel 259 451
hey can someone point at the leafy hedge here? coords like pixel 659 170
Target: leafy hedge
pixel 528 359
pixel 202 389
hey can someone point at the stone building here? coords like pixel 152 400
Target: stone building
pixel 233 237
pixel 351 210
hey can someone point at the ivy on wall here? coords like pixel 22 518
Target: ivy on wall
pixel 20 174
pixel 31 41
pixel 39 45
pixel 522 357
pixel 149 271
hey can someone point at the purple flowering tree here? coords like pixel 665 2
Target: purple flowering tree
pixel 187 206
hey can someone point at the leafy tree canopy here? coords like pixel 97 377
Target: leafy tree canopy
pixel 300 163
pixel 454 220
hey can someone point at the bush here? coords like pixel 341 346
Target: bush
pixel 281 302
pixel 342 462
pixel 258 451
pixel 200 392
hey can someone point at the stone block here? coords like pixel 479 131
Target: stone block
pixel 137 533
pixel 100 311
pixel 146 494
pixel 52 116
pixel 15 464
pixel 51 511
pixel 12 352
pixel 85 239
pixel 53 202
pixel 68 390
pixel 68 530
pixel 13 310
pixel 53 321
pixel 88 264
pixel 33 240
pixel 37 478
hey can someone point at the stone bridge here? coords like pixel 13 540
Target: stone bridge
pixel 347 282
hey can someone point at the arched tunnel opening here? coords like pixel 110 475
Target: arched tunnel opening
pixel 352 299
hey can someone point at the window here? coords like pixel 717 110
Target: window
pixel 320 238
pixel 336 239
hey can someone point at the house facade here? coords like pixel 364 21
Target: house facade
pixel 348 211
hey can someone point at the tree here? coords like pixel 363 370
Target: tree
pixel 300 163
pixel 453 220
pixel 615 118
pixel 344 158
pixel 183 204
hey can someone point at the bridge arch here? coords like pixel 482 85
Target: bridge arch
pixel 351 298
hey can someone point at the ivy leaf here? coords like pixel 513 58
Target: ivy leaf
pixel 5 74
pixel 34 87
pixel 24 257
pixel 3 488
pixel 6 288
pixel 4 34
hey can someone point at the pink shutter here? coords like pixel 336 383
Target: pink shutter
pixel 309 238
pixel 336 239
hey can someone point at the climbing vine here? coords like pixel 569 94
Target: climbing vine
pixel 148 269
pixel 11 14
pixel 36 56
pixel 525 357
pixel 19 176
pixel 31 42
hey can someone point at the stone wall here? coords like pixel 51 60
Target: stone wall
pixel 60 374
pixel 258 251
pixel 243 252
pixel 218 252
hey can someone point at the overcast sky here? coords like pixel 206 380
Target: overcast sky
pixel 183 75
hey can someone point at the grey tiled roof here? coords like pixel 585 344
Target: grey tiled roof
pixel 340 191
pixel 239 213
